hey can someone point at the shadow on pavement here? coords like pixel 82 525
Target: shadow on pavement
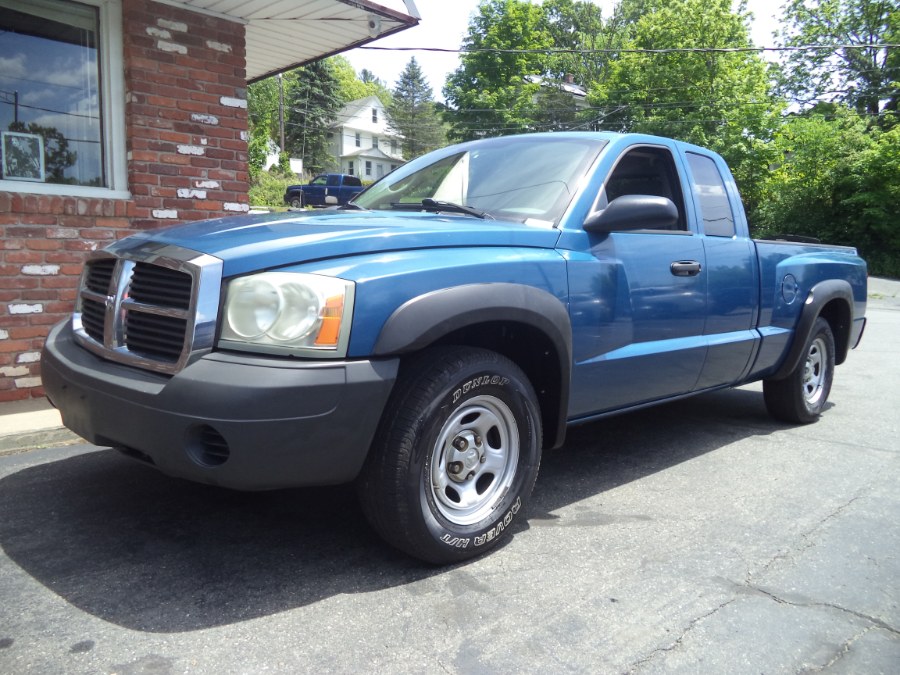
pixel 133 547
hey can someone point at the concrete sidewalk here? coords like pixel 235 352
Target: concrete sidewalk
pixel 34 423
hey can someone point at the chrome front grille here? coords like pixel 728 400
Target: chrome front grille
pixel 99 275
pixel 155 336
pixel 148 305
pixel 154 285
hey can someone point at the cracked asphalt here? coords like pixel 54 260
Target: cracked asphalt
pixel 698 537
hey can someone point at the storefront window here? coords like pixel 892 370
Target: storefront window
pixel 53 96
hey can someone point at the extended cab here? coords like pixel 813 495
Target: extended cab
pixel 327 189
pixel 430 339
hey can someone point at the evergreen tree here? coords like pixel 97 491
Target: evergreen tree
pixel 311 107
pixel 413 115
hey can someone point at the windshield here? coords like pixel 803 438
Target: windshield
pixel 523 178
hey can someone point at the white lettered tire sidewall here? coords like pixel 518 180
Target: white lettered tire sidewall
pixel 466 420
pixel 513 390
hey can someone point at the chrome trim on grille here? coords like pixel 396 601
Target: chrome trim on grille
pixel 205 272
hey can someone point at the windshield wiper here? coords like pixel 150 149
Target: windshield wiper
pixel 433 205
pixel 350 206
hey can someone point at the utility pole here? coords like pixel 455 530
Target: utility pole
pixel 281 112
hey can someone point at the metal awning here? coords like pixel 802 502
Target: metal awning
pixel 284 34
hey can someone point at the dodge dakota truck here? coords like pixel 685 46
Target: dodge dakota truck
pixel 328 189
pixel 429 340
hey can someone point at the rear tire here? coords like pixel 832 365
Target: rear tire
pixel 455 457
pixel 800 397
pixel 297 201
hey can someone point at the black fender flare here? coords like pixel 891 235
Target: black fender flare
pixel 425 319
pixel 819 296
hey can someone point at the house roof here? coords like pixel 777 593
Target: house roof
pixel 370 153
pixel 284 34
pixel 353 107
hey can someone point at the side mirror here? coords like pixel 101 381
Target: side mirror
pixel 634 212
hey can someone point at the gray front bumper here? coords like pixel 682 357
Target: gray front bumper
pixel 238 421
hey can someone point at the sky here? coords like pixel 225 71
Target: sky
pixel 445 22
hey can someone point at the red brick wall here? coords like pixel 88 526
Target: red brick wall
pixel 186 144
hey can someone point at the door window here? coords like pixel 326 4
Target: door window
pixel 645 170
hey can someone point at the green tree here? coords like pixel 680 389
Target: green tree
pixel 311 106
pixel 863 76
pixel 720 100
pixel 352 87
pixel 838 180
pixel 579 28
pixel 263 100
pixel 413 115
pixel 489 95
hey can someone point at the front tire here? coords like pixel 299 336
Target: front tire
pixel 455 457
pixel 800 397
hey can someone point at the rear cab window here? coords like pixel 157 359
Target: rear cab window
pixel 711 197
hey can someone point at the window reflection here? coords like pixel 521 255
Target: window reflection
pixel 50 90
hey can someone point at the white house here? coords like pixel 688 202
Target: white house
pixel 362 142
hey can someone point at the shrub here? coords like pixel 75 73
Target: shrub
pixel 268 189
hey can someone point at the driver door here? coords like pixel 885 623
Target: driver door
pixel 637 298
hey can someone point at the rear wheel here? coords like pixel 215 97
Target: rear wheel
pixel 801 396
pixel 455 457
pixel 297 201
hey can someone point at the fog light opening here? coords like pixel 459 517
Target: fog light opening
pixel 207 447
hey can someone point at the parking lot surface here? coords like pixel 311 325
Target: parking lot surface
pixel 700 536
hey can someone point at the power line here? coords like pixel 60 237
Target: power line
pixel 610 50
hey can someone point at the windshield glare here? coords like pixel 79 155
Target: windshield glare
pixel 523 178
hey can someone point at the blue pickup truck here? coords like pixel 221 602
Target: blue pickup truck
pixel 327 189
pixel 429 340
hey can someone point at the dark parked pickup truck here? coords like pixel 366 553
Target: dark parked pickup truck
pixel 327 189
pixel 432 338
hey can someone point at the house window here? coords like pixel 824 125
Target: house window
pixel 368 168
pixel 375 115
pixel 393 147
pixel 61 112
pixel 375 142
pixel 358 140
pixel 350 167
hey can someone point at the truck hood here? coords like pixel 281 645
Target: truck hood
pixel 256 242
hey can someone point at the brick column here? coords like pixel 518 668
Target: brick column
pixel 187 114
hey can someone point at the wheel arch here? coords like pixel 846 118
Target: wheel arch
pixel 833 301
pixel 517 321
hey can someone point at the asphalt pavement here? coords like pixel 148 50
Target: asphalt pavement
pixel 696 537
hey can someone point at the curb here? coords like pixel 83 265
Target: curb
pixel 11 444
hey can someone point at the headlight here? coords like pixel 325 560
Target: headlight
pixel 284 312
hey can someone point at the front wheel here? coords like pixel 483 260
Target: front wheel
pixel 801 396
pixel 455 457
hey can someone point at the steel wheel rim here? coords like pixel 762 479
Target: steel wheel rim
pixel 474 460
pixel 814 372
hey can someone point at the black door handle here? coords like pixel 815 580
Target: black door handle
pixel 685 268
